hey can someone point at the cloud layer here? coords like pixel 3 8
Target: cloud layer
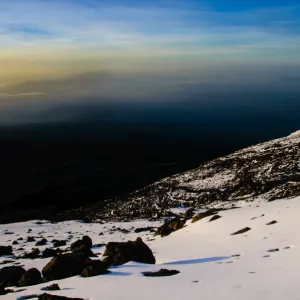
pixel 40 38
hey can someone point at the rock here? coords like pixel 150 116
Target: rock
pixel 273 250
pixel 30 239
pixel 85 241
pixel 33 254
pixel 170 226
pixel 84 250
pixel 31 277
pixel 64 266
pixel 10 276
pixel 143 229
pixel 272 223
pixel 49 253
pixel 94 268
pixel 59 243
pixel 20 239
pixel 189 213
pixel 52 287
pixel 203 215
pixel 55 297
pixel 241 231
pixel 123 252
pixel 214 218
pixel 160 273
pixel 15 243
pixel 6 250
pixel 29 230
pixel 42 242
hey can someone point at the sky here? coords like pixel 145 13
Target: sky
pixel 42 39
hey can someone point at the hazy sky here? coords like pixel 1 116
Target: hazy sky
pixel 53 38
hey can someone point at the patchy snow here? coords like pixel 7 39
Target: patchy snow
pixel 203 252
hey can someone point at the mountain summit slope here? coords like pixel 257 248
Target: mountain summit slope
pixel 269 170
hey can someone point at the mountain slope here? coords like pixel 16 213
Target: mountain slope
pixel 269 170
pixel 260 264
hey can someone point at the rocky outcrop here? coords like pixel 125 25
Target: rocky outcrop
pixel 86 241
pixel 6 250
pixel 10 276
pixel 94 268
pixel 121 253
pixel 170 226
pixel 31 277
pixel 49 253
pixel 64 266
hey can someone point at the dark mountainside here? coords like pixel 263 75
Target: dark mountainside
pixel 76 180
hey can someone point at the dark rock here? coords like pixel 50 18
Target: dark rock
pixel 84 250
pixel 52 287
pixel 49 253
pixel 214 218
pixel 30 239
pixel 85 241
pixel 42 242
pixel 15 243
pixel 31 277
pixel 64 266
pixel 273 250
pixel 203 215
pixel 29 230
pixel 101 233
pixel 170 226
pixel 272 223
pixel 10 276
pixel 94 268
pixel 6 250
pixel 121 253
pixel 241 231
pixel 20 239
pixel 8 233
pixel 59 243
pixel 189 213
pixel 143 229
pixel 55 297
pixel 160 273
pixel 33 254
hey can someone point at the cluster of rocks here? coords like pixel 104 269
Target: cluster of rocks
pixel 75 262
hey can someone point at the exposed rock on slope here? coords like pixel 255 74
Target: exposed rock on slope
pixel 270 170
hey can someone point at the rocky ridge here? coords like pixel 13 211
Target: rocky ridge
pixel 268 170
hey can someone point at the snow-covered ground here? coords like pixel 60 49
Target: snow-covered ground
pixel 213 264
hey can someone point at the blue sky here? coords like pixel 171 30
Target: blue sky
pixel 46 36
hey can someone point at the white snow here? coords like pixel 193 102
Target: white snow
pixel 201 251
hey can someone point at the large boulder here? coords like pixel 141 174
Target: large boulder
pixel 85 241
pixel 64 266
pixel 84 250
pixel 31 277
pixel 170 226
pixel 94 268
pixel 42 242
pixel 49 253
pixel 6 250
pixel 35 252
pixel 10 276
pixel 123 252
